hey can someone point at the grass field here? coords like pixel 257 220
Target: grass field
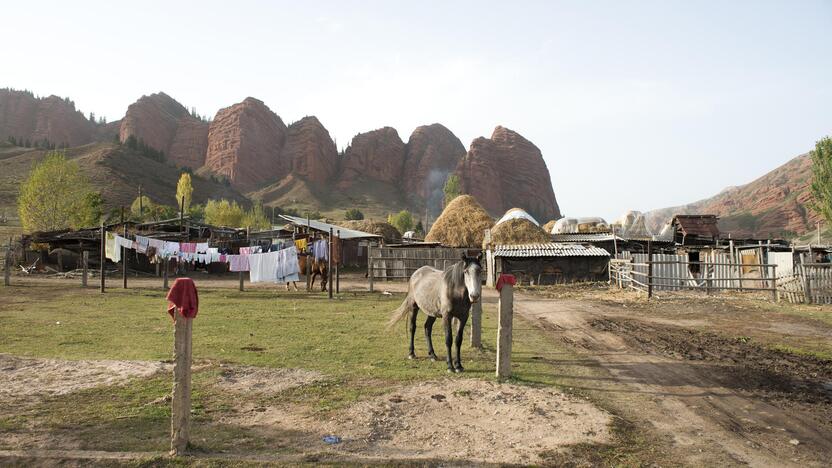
pixel 344 338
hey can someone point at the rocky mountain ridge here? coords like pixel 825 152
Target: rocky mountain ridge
pixel 250 146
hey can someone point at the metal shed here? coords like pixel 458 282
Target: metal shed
pixel 552 263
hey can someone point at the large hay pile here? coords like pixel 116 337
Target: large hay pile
pixel 385 230
pixel 518 231
pixel 462 224
pixel 548 226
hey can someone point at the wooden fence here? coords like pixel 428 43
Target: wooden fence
pixel 662 272
pixel 809 283
pixel 386 263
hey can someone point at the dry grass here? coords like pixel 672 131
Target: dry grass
pixel 462 224
pixel 518 231
pixel 385 230
pixel 548 226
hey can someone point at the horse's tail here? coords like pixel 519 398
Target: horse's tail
pixel 400 312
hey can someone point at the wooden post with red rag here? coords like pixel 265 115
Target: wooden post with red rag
pixel 505 285
pixel 183 305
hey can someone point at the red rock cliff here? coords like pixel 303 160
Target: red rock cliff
pixel 55 119
pixel 508 171
pixel 244 144
pixel 165 124
pixel 310 151
pixel 377 155
pixel 433 152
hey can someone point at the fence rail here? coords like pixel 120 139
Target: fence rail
pixel 664 272
pixel 385 263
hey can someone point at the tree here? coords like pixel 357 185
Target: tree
pixel 223 213
pixel 822 178
pixel 256 218
pixel 403 221
pixel 452 189
pixel 420 228
pixel 184 189
pixel 353 214
pixel 142 208
pixel 56 195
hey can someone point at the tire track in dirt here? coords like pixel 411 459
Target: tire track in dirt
pixel 709 423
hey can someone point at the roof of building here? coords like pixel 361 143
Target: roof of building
pixel 698 225
pixel 321 226
pixel 585 237
pixel 551 249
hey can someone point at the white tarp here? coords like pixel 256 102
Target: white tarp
pixel 580 225
pixel 632 224
pixel 517 213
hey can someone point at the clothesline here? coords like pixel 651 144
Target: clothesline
pixel 279 264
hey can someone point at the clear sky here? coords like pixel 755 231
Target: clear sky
pixel 634 104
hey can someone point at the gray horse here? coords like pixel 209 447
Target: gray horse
pixel 442 294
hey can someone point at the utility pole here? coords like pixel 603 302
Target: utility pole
pixel 141 205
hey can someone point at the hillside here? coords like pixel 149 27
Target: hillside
pixel 773 205
pixel 114 170
pixel 289 164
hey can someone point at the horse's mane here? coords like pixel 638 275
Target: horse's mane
pixel 455 275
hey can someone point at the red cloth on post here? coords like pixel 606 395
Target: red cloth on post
pixel 505 278
pixel 184 296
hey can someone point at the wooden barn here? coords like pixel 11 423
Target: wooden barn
pixel 552 263
pixel 696 229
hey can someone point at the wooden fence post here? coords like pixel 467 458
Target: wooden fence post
pixel 337 269
pixel 165 273
pixel 649 269
pixel 241 281
pixel 7 265
pixel 370 268
pixel 807 290
pixel 181 401
pixel 103 255
pixel 123 252
pixel 476 324
pixel 309 259
pixel 504 319
pixel 775 294
pixel 85 260
pixel 329 266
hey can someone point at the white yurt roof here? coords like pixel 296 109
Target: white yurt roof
pixel 517 213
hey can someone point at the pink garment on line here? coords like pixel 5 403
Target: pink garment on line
pixel 238 262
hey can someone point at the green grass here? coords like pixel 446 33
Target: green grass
pixel 344 338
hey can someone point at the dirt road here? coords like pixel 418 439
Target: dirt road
pixel 711 412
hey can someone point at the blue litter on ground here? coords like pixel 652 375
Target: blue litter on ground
pixel 331 439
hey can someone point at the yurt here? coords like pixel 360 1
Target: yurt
pixel 462 224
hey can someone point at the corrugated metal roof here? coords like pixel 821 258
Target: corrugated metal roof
pixel 585 237
pixel 551 249
pixel 346 233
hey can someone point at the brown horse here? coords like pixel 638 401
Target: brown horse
pixel 319 267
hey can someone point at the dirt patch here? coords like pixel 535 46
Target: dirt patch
pixel 28 380
pixel 471 420
pixel 740 363
pixel 264 381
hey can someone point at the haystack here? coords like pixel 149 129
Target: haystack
pixel 462 224
pixel 387 231
pixel 548 226
pixel 518 231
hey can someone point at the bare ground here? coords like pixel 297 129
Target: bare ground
pixel 718 401
pixel 462 420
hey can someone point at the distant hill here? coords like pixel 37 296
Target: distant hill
pixel 773 205
pixel 291 166
pixel 114 170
